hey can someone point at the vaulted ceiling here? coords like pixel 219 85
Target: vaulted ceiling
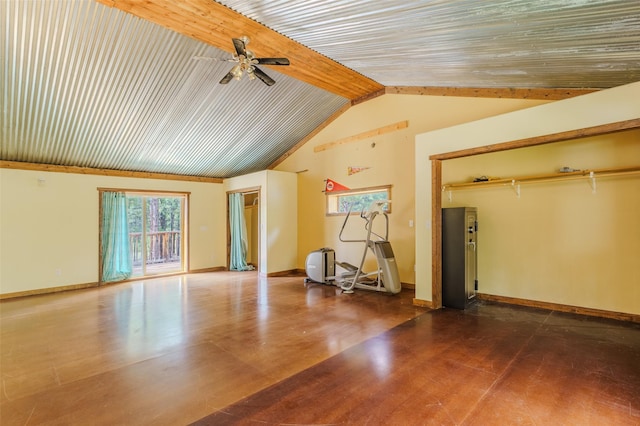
pixel 133 85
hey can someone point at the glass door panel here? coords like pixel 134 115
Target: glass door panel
pixel 134 215
pixel 155 234
pixel 163 234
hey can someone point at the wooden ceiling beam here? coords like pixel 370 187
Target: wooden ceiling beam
pixel 215 24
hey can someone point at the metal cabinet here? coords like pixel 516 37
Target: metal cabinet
pixel 459 256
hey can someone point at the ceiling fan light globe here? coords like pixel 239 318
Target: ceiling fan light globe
pixel 236 71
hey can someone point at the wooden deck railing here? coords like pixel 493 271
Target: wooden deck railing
pixel 162 247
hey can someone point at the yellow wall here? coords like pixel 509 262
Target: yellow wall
pixel 391 161
pixel 44 244
pixel 49 230
pixel 599 108
pixel 558 242
pixel 278 217
pixel 251 220
pixel 282 221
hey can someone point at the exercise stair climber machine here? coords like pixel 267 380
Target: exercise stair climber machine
pixel 320 265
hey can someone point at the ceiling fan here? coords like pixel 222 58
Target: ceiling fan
pixel 246 63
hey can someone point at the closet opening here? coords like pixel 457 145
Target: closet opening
pixel 243 229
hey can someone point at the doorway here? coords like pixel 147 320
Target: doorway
pixel 156 233
pixel 250 209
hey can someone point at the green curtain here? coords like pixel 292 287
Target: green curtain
pixel 114 232
pixel 238 255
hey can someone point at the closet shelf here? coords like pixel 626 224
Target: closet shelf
pixel 513 181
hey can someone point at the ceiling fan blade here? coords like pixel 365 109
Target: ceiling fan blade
pixel 262 76
pixel 240 47
pixel 227 78
pixel 273 61
pixel 212 59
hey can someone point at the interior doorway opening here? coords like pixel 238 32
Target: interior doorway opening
pixel 243 229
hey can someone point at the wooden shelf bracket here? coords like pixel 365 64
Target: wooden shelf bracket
pixel 592 181
pixel 516 187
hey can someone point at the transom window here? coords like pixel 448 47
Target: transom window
pixel 338 202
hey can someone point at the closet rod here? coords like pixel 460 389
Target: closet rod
pixel 580 174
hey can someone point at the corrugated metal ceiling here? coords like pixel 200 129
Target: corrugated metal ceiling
pixel 86 85
pixel 467 43
pixel 90 86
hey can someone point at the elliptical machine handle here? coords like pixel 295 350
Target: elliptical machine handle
pixel 346 219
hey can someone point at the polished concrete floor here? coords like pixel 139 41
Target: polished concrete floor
pixel 490 365
pixel 170 351
pixel 232 348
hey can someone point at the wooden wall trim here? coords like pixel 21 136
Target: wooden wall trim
pixel 185 211
pixel 619 126
pixel 47 290
pixel 364 135
pixel 100 251
pixel 145 192
pixel 205 270
pixel 245 190
pixel 19 165
pixel 436 235
pixel 600 313
pixel 478 92
pixel 287 273
pixel 50 290
pixel 423 303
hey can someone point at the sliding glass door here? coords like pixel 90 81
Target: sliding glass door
pixel 156 238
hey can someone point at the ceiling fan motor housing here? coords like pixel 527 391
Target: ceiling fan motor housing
pixel 247 64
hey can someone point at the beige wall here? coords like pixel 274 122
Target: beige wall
pixel 251 219
pixel 391 161
pixel 278 217
pixel 582 289
pixel 282 221
pixel 44 245
pixel 49 229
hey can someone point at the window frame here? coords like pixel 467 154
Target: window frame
pixel 330 196
pixel 184 225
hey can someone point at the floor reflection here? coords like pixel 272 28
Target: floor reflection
pixel 176 348
pixel 150 316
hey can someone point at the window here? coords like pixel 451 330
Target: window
pixel 338 202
